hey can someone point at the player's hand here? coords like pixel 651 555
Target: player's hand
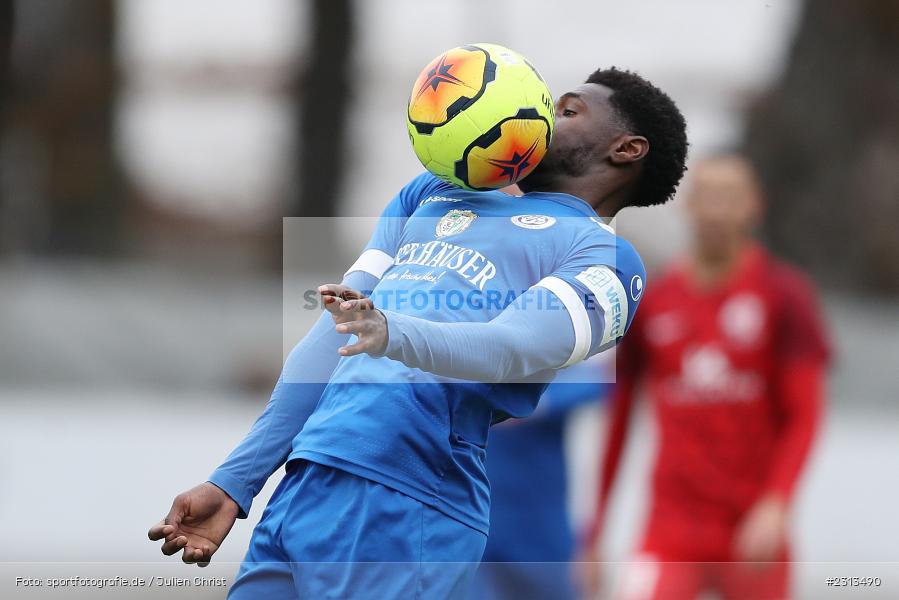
pixel 588 573
pixel 355 314
pixel 762 534
pixel 198 522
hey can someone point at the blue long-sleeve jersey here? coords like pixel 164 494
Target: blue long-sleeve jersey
pixel 462 257
pixel 467 267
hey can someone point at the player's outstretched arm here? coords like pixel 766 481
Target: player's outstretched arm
pixel 310 364
pixel 200 518
pixel 582 308
pixel 533 334
pixel 267 445
pixel 307 369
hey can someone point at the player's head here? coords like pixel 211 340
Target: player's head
pixel 724 203
pixel 621 129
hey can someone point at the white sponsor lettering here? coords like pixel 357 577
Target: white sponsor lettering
pixel 608 292
pixel 470 264
pixel 430 199
pixel 708 376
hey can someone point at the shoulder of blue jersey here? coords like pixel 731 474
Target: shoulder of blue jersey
pixel 428 185
pixel 617 275
pixel 630 267
pixel 624 259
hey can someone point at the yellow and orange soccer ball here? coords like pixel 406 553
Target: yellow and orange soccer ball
pixel 480 117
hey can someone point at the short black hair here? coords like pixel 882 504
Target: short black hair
pixel 648 111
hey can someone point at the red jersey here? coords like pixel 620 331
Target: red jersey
pixel 717 365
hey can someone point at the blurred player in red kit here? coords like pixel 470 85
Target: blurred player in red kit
pixel 732 352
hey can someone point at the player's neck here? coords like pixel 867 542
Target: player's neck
pixel 605 196
pixel 610 190
pixel 713 268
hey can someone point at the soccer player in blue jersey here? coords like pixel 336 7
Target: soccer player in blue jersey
pixel 480 299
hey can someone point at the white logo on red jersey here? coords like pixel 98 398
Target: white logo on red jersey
pixel 742 319
pixel 708 376
pixel 705 368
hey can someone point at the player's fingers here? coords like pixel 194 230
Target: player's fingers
pixel 352 350
pixel 351 294
pixel 338 290
pixel 341 291
pixel 332 305
pixel 180 506
pixel 352 327
pixel 206 556
pixel 340 316
pixel 193 555
pixel 169 525
pixel 202 556
pixel 174 545
pixel 358 305
pixel 160 530
pixel 332 289
pixel 368 339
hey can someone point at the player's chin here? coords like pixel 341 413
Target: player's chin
pixel 539 178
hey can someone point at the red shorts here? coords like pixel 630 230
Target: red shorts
pixel 683 568
pixel 654 578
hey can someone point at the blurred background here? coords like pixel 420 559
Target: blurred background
pixel 149 151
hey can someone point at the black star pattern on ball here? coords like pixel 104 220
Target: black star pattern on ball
pixel 518 163
pixel 439 74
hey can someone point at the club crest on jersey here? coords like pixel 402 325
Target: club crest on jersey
pixel 455 222
pixel 742 319
pixel 533 221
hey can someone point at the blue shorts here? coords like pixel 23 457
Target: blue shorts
pixel 329 534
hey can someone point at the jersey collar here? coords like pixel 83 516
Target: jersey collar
pixel 568 200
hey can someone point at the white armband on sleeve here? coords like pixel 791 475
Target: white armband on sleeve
pixel 578 314
pixel 372 261
pixel 609 294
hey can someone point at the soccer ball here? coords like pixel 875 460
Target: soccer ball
pixel 480 117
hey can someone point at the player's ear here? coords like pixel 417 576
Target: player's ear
pixel 629 149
